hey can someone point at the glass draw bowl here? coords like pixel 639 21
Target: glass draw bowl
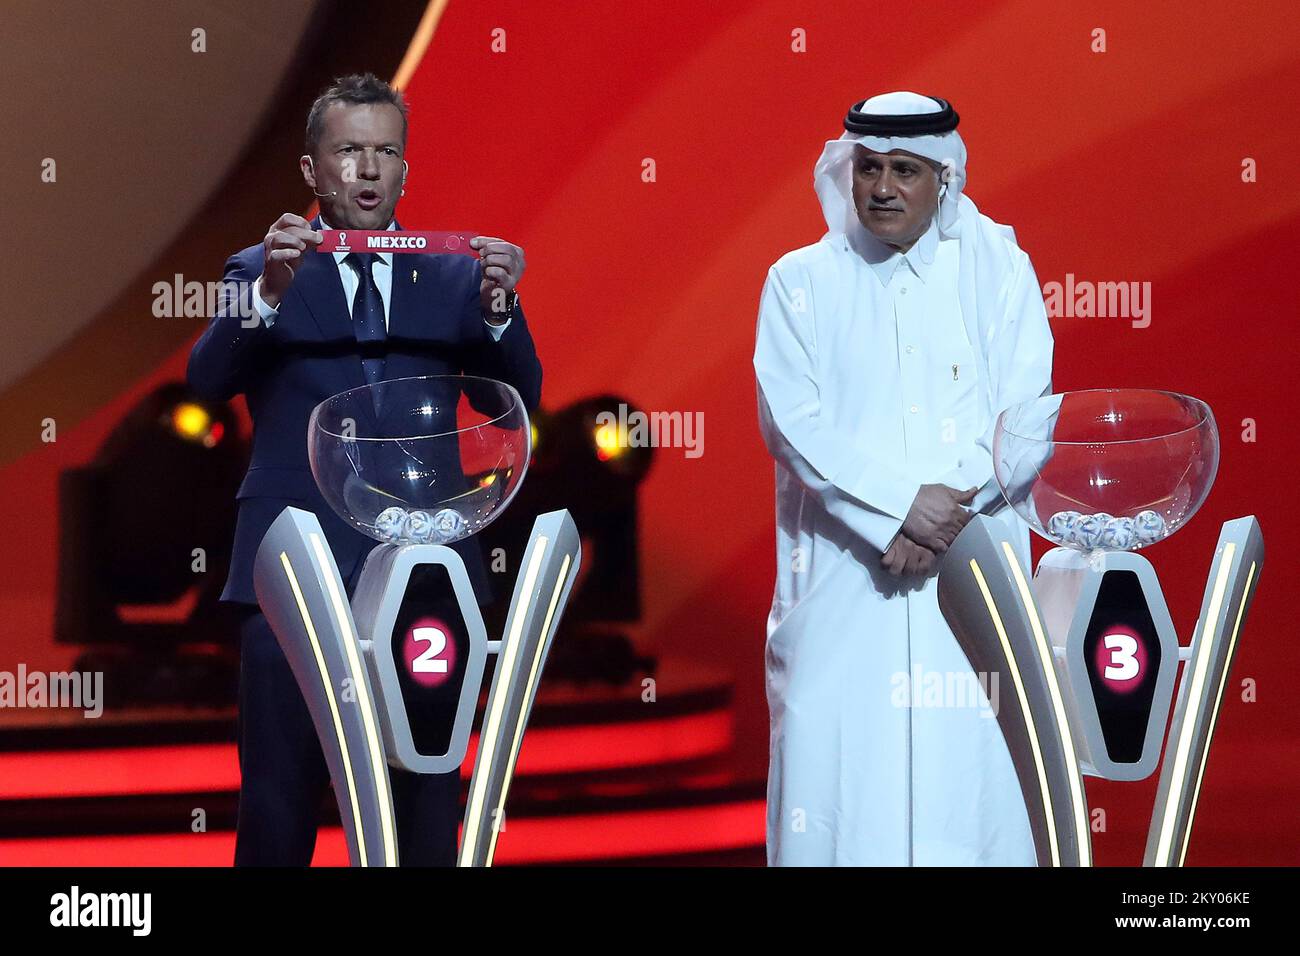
pixel 426 460
pixel 1115 469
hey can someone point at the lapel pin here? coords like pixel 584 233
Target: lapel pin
pixel 415 275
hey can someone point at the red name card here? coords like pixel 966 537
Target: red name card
pixel 392 240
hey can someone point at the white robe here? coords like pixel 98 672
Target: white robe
pixel 860 405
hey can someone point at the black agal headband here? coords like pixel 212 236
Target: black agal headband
pixel 910 124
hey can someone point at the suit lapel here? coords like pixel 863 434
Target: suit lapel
pixel 321 289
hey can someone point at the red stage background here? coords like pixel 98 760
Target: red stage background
pixel 1123 165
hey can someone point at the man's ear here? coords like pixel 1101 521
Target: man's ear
pixel 308 167
pixel 939 178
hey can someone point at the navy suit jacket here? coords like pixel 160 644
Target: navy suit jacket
pixel 435 327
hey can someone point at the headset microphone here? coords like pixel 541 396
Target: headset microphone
pixel 328 195
pixel 334 192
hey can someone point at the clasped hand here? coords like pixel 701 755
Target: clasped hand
pixel 935 519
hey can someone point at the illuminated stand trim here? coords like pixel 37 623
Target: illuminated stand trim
pixel 304 599
pixel 985 596
pixel 1053 733
pixel 1229 591
pixel 542 589
pixel 303 596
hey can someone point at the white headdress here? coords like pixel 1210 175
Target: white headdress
pixel 923 125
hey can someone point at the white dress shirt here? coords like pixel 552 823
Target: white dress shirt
pixel 350 275
pixel 934 377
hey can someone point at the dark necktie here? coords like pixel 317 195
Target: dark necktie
pixel 368 318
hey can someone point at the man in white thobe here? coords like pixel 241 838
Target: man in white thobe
pixel 884 354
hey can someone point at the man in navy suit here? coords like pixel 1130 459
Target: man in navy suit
pixel 306 326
